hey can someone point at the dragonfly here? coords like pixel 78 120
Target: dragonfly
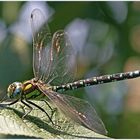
pixel 53 61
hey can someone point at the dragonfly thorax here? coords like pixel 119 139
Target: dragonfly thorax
pixel 15 89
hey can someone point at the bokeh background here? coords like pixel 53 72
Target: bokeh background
pixel 106 36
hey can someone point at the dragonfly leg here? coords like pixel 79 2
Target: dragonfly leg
pixel 53 110
pixel 13 102
pixel 30 109
pixel 10 103
pixel 41 110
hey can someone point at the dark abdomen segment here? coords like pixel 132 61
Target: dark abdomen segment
pixel 97 80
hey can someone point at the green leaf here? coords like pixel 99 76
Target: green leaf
pixel 36 124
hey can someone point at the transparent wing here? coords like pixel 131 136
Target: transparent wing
pixel 77 109
pixel 41 43
pixel 53 58
pixel 63 57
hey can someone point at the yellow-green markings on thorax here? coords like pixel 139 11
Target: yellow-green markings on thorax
pixel 28 86
pixel 32 92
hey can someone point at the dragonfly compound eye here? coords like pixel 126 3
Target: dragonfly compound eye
pixel 14 90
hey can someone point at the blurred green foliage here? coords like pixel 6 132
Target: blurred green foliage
pixel 112 45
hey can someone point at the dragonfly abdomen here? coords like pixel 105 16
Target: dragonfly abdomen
pixel 97 80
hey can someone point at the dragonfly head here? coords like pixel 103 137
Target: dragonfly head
pixel 14 90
